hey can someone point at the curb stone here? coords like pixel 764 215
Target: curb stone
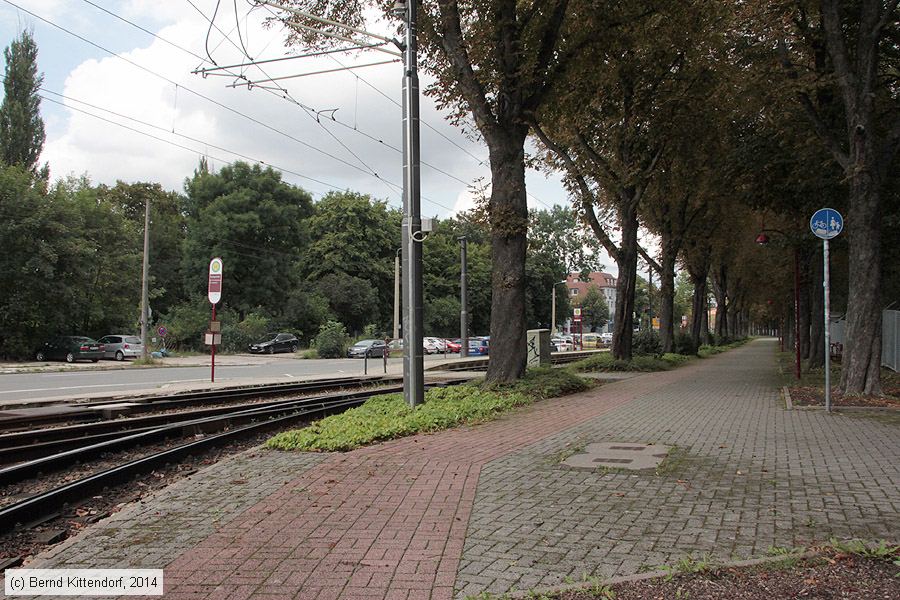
pixel 587 585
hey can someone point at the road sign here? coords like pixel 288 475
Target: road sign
pixel 577 312
pixel 215 280
pixel 162 331
pixel 826 224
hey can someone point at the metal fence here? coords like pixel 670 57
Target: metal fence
pixel 890 339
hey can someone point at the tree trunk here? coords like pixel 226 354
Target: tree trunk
pixel 667 297
pixel 509 225
pixel 720 289
pixel 861 363
pixel 699 314
pixel 805 311
pixel 623 325
pixel 817 315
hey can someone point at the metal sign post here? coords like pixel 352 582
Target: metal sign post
pixel 826 224
pixel 214 294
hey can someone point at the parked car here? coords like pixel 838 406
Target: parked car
pixel 70 348
pixel 432 345
pixel 560 344
pixel 453 345
pixel 120 346
pixel 479 346
pixel 606 338
pixel 370 348
pixel 275 342
pixel 590 340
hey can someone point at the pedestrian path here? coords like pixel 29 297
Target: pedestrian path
pixel 493 507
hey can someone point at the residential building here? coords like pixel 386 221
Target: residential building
pixel 604 282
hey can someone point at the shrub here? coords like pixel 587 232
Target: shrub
pixel 332 340
pixel 311 353
pixel 646 343
pixel 372 332
pixel 237 337
pixel 684 344
pixel 386 417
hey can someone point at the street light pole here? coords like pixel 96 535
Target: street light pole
pixel 411 228
pixel 397 294
pixel 463 300
pixel 553 306
pixel 145 283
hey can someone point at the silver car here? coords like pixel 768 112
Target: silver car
pixel 121 347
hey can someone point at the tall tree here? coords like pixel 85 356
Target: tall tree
pixel 849 51
pixel 495 63
pixel 256 223
pixel 607 130
pixel 21 127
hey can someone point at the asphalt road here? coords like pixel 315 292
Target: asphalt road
pixel 88 381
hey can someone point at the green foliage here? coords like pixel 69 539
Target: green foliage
pixel 386 417
pixel 683 344
pixel 646 343
pixel 309 354
pixel 881 550
pixel 237 336
pixel 595 310
pixel 354 241
pixel 21 127
pixel 639 363
pixel 332 340
pixel 256 223
pixel 186 324
pixel 545 382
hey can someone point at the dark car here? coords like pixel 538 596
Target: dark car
pixel 370 348
pixel 70 348
pixel 275 342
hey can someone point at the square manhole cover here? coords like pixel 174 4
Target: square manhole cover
pixel 619 455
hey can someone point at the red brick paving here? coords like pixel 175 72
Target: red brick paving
pixel 387 521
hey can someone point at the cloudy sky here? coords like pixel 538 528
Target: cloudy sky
pixel 157 117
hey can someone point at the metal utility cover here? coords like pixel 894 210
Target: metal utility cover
pixel 619 455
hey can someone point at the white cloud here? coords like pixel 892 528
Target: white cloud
pixel 308 143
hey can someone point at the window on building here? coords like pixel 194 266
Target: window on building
pixel 574 291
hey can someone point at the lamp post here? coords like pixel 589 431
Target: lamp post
pixel 463 300
pixel 762 239
pixel 553 306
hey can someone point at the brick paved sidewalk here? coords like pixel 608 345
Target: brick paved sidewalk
pixel 491 508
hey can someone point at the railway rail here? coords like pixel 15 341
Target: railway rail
pixel 43 506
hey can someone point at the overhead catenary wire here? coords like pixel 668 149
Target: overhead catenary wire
pixel 226 37
pixel 198 94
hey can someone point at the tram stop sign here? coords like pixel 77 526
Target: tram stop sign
pixel 826 223
pixel 215 280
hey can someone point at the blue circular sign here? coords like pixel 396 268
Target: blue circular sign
pixel 826 224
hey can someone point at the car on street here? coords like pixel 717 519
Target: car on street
pixel 121 346
pixel 590 340
pixel 479 346
pixel 560 344
pixel 453 345
pixel 275 342
pixel 370 348
pixel 433 345
pixel 70 348
pixel 606 338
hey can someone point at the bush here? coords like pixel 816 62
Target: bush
pixel 684 344
pixel 309 354
pixel 386 417
pixel 238 337
pixel 332 340
pixel 186 324
pixel 646 343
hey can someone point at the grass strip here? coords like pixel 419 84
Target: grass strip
pixel 388 416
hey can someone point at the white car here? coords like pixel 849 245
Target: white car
pixel 560 344
pixel 432 345
pixel 606 337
